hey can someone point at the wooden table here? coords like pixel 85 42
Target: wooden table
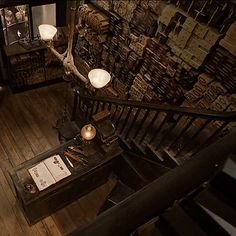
pixel 82 180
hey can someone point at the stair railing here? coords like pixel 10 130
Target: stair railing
pixel 171 134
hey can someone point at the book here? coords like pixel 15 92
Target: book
pixel 48 172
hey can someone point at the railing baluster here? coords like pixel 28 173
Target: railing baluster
pixel 96 106
pixel 159 128
pixel 100 106
pixel 114 113
pixel 118 120
pixel 133 122
pixel 80 105
pixel 87 112
pixel 150 126
pixel 91 110
pixel 109 106
pixel 167 131
pixel 126 119
pixel 193 137
pixel 186 127
pixel 141 123
pixel 75 105
pixel 103 106
pixel 207 141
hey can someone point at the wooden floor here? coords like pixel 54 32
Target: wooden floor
pixel 26 123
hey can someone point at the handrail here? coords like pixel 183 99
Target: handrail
pixel 207 114
pixel 172 134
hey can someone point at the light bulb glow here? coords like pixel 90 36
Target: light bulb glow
pixel 47 32
pixel 99 78
pixel 88 132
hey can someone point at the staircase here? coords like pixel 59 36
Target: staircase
pixel 158 140
pixel 206 211
pixel 169 135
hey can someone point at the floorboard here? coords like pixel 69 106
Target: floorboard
pixel 27 122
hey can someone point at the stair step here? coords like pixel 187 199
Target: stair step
pixel 205 221
pixel 161 169
pixel 149 229
pixel 137 146
pixel 125 144
pixel 181 223
pixel 119 193
pixel 230 166
pixel 225 181
pixel 147 170
pixel 139 172
pixel 224 224
pixel 128 174
pixel 105 206
pixel 226 185
pixel 214 202
pixel 162 157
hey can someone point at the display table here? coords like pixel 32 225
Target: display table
pixel 82 180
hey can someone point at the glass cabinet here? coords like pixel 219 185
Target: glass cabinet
pixel 15 23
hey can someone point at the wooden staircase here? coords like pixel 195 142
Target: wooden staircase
pixel 197 214
pixel 158 139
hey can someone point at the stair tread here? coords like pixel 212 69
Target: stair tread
pixel 146 169
pixel 120 192
pixel 136 169
pixel 128 175
pixel 181 222
pixel 226 185
pixel 204 220
pixel 163 157
pixel 215 204
pixel 138 147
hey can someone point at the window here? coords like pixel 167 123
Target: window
pixel 40 16
pixel 15 23
pixel 21 22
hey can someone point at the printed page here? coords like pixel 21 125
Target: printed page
pixel 41 176
pixel 57 167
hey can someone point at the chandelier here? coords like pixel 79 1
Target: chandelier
pixel 98 78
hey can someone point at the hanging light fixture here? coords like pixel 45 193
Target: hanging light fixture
pixel 47 32
pixel 97 77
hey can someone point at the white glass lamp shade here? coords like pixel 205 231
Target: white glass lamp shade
pixel 88 132
pixel 47 32
pixel 99 78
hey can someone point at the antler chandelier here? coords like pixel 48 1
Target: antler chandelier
pixel 97 77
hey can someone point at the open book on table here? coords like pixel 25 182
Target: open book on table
pixel 49 171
